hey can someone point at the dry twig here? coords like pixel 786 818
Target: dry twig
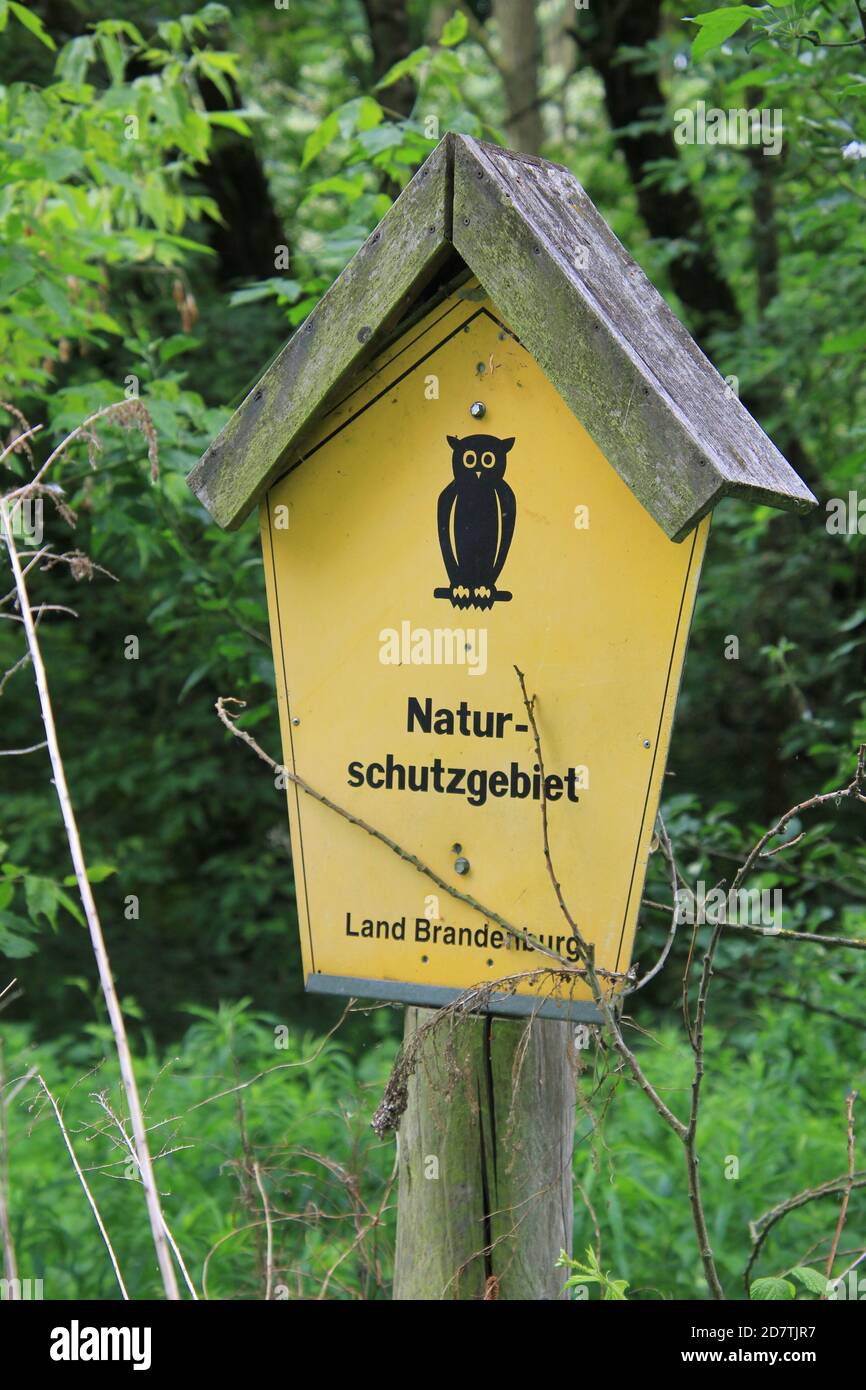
pixel 88 1194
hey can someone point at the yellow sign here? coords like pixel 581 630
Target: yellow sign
pixel 451 520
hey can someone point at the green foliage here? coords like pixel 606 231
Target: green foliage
pixel 110 285
pixel 304 1121
pixel 31 21
pixel 30 902
pixel 778 1287
pixel 718 25
pixel 95 179
pixel 763 1290
pixel 590 1272
pixel 774 1101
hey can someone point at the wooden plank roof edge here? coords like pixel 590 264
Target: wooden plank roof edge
pixel 376 287
pixel 604 334
pixel 687 442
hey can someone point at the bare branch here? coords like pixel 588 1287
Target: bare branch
pixel 518 933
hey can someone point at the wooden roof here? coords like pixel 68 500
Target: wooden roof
pixel 621 360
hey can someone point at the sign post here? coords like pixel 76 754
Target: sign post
pixel 485 1200
pixel 491 449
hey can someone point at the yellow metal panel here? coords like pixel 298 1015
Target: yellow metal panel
pixel 598 619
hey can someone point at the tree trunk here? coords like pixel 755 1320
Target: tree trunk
pixel 635 101
pixel 391 41
pixel 246 241
pixel 485 1198
pixel 519 50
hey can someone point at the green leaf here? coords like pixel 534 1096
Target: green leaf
pixel 716 26
pixel 811 1279
pixel 33 23
pixel 113 57
pixel 768 1290
pixel 55 298
pixel 721 16
pixel 176 344
pixel 97 873
pixel 120 26
pixel 71 906
pixel 193 679
pixel 214 14
pixel 323 136
pixel 370 114
pixel 14 946
pixel 844 342
pixel 454 29
pixel 14 278
pixel 285 291
pixel 231 120
pixel 41 897
pixel 75 57
pixel 405 67
pixel 614 1291
pixel 347 188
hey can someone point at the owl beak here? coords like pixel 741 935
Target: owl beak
pixel 477 475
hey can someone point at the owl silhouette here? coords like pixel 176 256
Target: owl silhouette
pixel 476 516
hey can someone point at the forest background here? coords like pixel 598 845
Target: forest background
pixel 170 256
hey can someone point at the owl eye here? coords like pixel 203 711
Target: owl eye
pixel 469 458
pixel 488 459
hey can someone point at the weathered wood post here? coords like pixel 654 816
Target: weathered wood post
pixel 490 446
pixel 485 1199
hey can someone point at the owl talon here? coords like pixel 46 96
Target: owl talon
pixel 460 596
pixel 483 597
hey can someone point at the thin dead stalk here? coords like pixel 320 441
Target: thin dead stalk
pixel 668 852
pixel 228 719
pixel 843 1210
pixel 269 1260
pixel 10 1269
pixel 87 1192
pixel 106 977
pixel 130 1147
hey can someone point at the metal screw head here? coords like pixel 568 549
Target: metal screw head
pixel 478 410
pixel 461 865
pixel 296 720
